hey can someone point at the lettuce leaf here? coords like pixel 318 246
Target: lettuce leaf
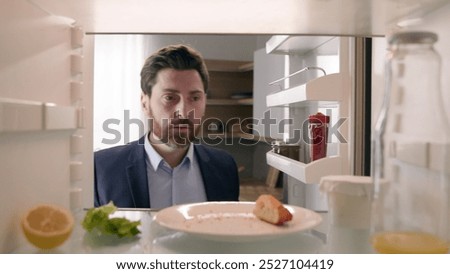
pixel 98 218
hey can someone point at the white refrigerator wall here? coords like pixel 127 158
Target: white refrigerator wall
pixel 36 158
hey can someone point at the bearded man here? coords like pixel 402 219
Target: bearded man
pixel 165 167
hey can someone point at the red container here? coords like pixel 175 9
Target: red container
pixel 318 132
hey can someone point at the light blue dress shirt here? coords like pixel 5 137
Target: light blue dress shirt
pixel 172 186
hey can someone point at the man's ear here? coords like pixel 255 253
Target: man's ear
pixel 144 101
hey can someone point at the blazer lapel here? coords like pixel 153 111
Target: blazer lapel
pixel 137 176
pixel 220 184
pixel 207 176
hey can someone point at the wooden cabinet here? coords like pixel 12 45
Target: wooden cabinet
pixel 230 102
pixel 230 99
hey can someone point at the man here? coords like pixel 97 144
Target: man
pixel 164 167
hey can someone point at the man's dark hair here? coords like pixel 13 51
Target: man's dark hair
pixel 179 57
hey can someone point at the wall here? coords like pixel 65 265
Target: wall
pixel 220 47
pixel 267 68
pixel 35 65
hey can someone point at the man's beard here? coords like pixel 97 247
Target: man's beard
pixel 174 132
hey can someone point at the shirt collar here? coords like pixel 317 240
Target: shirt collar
pixel 156 159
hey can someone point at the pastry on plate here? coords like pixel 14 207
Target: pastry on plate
pixel 269 209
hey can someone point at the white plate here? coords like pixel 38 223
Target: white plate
pixel 232 221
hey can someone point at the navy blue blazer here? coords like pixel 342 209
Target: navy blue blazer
pixel 121 175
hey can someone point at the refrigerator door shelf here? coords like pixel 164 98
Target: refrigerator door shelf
pixel 325 89
pixel 310 173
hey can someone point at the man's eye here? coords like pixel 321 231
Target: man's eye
pixel 169 98
pixel 196 98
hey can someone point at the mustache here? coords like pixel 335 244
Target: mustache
pixel 181 121
pixel 190 120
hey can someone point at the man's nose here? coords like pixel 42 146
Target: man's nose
pixel 180 111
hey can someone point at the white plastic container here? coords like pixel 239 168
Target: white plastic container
pixel 349 214
pixel 349 199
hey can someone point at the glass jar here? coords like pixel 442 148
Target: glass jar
pixel 411 152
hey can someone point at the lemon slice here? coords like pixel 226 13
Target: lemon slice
pixel 47 226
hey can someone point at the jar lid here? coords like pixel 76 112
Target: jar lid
pixel 319 117
pixel 413 37
pixel 347 184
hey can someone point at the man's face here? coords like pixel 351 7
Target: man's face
pixel 176 105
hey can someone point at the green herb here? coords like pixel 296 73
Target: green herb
pixel 98 218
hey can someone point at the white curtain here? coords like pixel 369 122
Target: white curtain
pixel 118 60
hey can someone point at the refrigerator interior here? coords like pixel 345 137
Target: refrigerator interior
pixel 46 118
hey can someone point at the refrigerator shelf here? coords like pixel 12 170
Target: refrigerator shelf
pixel 308 173
pixel 299 45
pixel 24 115
pixel 326 89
